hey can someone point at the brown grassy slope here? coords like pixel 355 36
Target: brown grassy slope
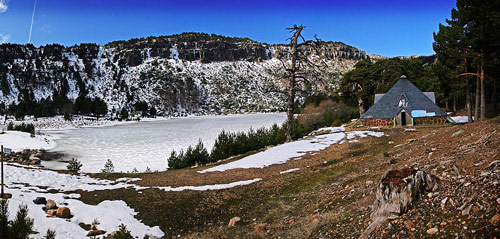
pixel 332 199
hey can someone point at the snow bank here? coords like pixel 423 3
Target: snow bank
pixel 211 187
pixel 18 141
pixel 282 153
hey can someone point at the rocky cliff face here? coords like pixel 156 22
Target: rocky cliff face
pixel 179 74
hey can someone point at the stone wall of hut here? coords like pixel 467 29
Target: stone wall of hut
pixel 429 120
pixel 378 122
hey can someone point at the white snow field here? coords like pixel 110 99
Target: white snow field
pixel 282 153
pixel 18 141
pixel 148 144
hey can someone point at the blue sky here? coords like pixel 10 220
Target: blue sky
pixel 384 27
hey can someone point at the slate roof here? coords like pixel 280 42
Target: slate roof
pixel 387 105
pixel 430 95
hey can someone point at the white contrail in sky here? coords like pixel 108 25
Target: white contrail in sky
pixel 3 6
pixel 32 18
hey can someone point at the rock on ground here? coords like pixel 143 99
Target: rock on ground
pixel 234 221
pixel 63 212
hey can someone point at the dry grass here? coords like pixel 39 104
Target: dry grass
pixel 337 191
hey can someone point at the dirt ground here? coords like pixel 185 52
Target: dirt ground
pixel 332 194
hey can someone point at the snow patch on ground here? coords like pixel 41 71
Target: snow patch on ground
pixel 210 187
pixel 461 119
pixel 289 170
pixel 50 180
pixel 282 153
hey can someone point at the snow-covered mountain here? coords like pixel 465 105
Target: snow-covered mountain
pixel 190 73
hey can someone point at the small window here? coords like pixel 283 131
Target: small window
pixel 403 102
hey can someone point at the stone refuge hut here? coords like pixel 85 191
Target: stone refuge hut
pixel 404 104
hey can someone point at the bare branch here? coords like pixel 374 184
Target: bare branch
pixel 470 74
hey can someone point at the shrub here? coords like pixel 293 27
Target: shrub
pixel 227 145
pixel 20 227
pixel 25 157
pixel 176 161
pixel 74 165
pixel 197 155
pixel 28 128
pixel 122 233
pixel 326 113
pixel 124 114
pixel 223 147
pixel 51 234
pixel 67 116
pixel 108 167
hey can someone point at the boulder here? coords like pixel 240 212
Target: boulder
pixel 40 200
pixel 234 221
pixel 96 233
pixel 409 224
pixel 40 154
pixel 495 220
pixel 432 231
pixel 314 218
pixel 261 227
pixel 52 212
pixel 63 212
pixel 86 227
pixel 34 158
pixel 51 204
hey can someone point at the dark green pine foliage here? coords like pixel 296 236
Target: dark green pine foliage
pixel 223 147
pixel 122 233
pixel 227 145
pixel 20 228
pixel 469 45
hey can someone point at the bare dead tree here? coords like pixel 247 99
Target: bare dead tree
pixel 300 71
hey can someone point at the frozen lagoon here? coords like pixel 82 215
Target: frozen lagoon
pixel 147 144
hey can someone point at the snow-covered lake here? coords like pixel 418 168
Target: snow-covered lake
pixel 148 144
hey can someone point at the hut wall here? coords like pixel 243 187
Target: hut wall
pixel 378 122
pixel 429 120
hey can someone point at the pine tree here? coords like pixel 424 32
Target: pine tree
pixel 4 218
pixel 22 225
pixel 122 233
pixel 74 165
pixel 108 167
pixel 51 234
